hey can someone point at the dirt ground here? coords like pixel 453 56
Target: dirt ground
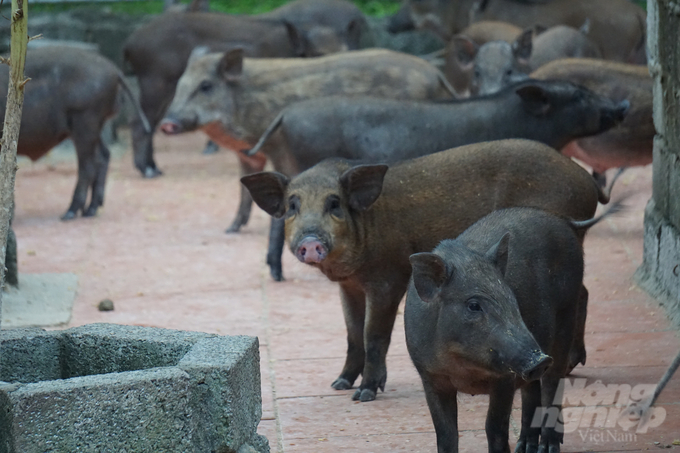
pixel 158 250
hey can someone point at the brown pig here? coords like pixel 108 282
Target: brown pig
pixel 234 99
pixel 359 224
pixel 629 144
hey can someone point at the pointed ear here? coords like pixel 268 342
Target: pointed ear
pixel 197 53
pixel 585 28
pixel 296 38
pixel 523 46
pixel 464 50
pixel 498 253
pixel 363 185
pixel 535 99
pixel 268 190
pixel 429 275
pixel 230 66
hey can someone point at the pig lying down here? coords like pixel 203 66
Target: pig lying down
pixel 483 310
pixel 72 92
pixel 360 224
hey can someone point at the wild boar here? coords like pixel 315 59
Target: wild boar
pixel 158 51
pixel 359 224
pixel 483 310
pixel 72 92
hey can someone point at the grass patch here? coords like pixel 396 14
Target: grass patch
pixel 370 7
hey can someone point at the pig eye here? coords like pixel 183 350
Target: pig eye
pixel 473 306
pixel 508 72
pixel 333 206
pixel 293 206
pixel 205 86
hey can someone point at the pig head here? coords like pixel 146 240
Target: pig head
pixel 321 227
pixel 473 317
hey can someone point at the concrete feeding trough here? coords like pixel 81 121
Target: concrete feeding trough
pixel 113 388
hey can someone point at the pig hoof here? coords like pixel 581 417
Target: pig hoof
pixel 234 228
pixel 70 215
pixel 524 447
pixel 277 275
pixel 341 384
pixel 90 212
pixel 363 395
pixel 211 148
pixel 150 172
pixel 576 357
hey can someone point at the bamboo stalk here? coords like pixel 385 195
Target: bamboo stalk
pixel 10 132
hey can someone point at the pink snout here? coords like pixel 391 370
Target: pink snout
pixel 311 250
pixel 170 127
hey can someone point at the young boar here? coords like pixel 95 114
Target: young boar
pixel 483 310
pixel 359 224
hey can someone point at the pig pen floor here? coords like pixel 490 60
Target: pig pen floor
pixel 158 250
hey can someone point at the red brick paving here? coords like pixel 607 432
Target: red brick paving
pixel 159 251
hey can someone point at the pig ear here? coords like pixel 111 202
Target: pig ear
pixel 268 190
pixel 429 275
pixel 585 28
pixel 535 99
pixel 363 185
pixel 522 46
pixel 197 53
pixel 296 38
pixel 464 50
pixel 231 65
pixel 498 253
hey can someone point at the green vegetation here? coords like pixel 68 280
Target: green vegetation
pixel 370 7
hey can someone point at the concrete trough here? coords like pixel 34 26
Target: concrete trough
pixel 113 388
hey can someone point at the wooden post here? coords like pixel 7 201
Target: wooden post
pixel 10 132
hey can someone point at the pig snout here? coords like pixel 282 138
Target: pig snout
pixel 170 126
pixel 311 250
pixel 613 116
pixel 538 365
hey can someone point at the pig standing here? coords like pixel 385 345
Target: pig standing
pixel 618 27
pixel 487 68
pixel 385 130
pixel 71 93
pixel 629 144
pixel 158 51
pixel 360 224
pixel 234 99
pixel 481 313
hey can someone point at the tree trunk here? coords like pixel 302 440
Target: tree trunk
pixel 10 132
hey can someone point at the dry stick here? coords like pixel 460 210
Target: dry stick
pixel 10 132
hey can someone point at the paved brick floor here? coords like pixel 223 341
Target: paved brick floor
pixel 159 251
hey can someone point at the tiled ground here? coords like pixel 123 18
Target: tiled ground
pixel 159 251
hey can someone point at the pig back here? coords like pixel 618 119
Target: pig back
pixel 438 196
pixel 378 72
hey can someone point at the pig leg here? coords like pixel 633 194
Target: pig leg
pixel 442 401
pixel 498 416
pixel 381 311
pixel 551 399
pixel 529 435
pixel 276 240
pixel 103 157
pixel 155 96
pixel 211 147
pixel 354 310
pixel 85 136
pixel 577 354
pixel 243 214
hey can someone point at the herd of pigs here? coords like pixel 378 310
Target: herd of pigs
pixel 445 177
